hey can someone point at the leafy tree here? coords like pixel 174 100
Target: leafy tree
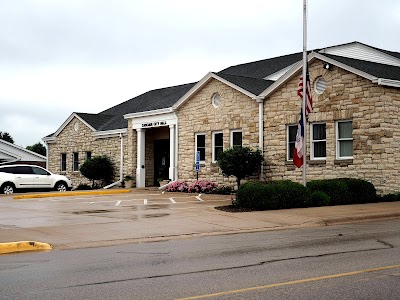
pixel 240 162
pixel 38 148
pixel 6 137
pixel 98 168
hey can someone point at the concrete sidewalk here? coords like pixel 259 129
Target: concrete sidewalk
pixel 67 231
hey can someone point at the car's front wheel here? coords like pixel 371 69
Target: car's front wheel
pixel 7 188
pixel 61 186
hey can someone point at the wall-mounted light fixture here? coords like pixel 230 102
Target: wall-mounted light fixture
pixel 327 66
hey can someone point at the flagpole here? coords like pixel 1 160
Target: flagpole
pixel 304 169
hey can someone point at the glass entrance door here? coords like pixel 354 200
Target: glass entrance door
pixel 161 160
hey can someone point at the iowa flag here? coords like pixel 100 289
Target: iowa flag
pixel 299 145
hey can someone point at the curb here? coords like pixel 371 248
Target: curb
pixel 23 246
pixel 72 193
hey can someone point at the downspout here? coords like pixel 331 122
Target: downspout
pixel 121 167
pixel 260 102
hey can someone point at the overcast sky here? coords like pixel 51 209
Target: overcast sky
pixel 63 56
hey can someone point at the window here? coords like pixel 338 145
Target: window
pixel 201 146
pixel 75 161
pixel 216 100
pixel 218 144
pixel 291 140
pixel 344 134
pixel 39 171
pixel 63 162
pixel 318 141
pixel 236 138
pixel 88 154
pixel 320 85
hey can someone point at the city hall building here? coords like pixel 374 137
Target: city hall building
pixel 353 130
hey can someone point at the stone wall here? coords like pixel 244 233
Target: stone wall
pixel 374 111
pixel 81 141
pixel 198 115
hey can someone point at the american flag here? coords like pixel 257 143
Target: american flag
pixel 308 94
pixel 298 146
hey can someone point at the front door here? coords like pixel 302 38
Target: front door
pixel 161 160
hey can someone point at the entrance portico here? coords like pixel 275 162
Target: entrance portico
pixel 154 124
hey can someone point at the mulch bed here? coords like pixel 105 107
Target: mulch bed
pixel 233 208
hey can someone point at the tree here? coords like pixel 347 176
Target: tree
pixel 6 137
pixel 38 148
pixel 98 168
pixel 240 162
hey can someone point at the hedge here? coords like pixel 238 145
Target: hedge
pixel 288 194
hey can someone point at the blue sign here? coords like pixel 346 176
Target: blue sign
pixel 197 157
pixel 198 161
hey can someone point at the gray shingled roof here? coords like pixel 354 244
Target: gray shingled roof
pixel 253 85
pixel 95 120
pixel 248 76
pixel 263 68
pixel 375 69
pixel 151 100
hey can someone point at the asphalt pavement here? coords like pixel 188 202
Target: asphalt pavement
pixel 73 220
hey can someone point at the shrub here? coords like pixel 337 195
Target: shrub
pixel 274 195
pixel 345 190
pixel 224 190
pixel 336 190
pixel 178 186
pixel 206 187
pixel 359 191
pixel 390 197
pixel 98 168
pixel 319 198
pixel 240 162
pixel 83 187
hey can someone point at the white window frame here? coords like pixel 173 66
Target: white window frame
pixel 231 137
pixel 288 142
pixel 65 163
pixel 195 145
pixel 343 139
pixel 213 144
pixel 312 141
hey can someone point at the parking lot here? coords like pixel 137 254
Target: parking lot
pixel 79 221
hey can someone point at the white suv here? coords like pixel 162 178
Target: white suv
pixel 14 177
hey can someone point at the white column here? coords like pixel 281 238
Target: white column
pixel 141 150
pixel 172 152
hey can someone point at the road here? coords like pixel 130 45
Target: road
pixel 352 261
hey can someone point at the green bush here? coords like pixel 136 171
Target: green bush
pixel 274 195
pixel 83 187
pixel 390 197
pixel 345 190
pixel 336 190
pixel 223 190
pixel 359 191
pixel 319 198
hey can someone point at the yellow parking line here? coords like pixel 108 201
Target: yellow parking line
pixel 72 193
pixel 290 283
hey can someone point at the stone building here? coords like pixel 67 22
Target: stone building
pixel 353 131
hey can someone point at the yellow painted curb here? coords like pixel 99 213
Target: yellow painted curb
pixel 22 246
pixel 72 193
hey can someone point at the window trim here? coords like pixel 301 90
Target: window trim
pixel 231 137
pixel 213 143
pixel 88 155
pixel 288 142
pixel 312 141
pixel 338 157
pixel 75 160
pixel 63 164
pixel 195 145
